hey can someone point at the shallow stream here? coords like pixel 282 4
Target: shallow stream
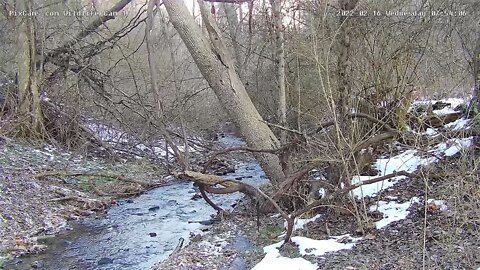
pixel 139 231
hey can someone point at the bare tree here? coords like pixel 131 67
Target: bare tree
pixel 29 77
pixel 280 59
pixel 216 65
pixel 155 89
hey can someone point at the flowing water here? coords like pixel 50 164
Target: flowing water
pixel 139 231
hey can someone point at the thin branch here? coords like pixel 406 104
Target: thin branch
pixel 346 190
pixel 354 115
pixel 284 128
pixel 202 188
pixel 241 148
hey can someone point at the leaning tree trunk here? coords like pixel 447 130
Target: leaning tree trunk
pixel 28 76
pixel 216 65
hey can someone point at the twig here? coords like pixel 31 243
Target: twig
pixel 354 115
pixel 242 148
pixel 344 191
pixel 284 128
pixel 178 247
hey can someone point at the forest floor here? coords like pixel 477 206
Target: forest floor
pixel 41 188
pixel 38 197
pixel 431 236
pixel 429 221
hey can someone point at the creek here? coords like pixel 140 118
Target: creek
pixel 139 231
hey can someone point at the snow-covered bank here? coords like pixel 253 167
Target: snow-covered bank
pixel 409 160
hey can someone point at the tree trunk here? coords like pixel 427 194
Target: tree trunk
pixel 232 21
pixel 475 103
pixel 280 57
pixel 343 74
pixel 28 76
pixel 216 65
pixel 343 125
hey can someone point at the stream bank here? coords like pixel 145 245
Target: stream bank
pixel 139 231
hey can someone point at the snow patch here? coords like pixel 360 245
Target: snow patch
pixel 299 223
pixel 454 102
pixel 407 161
pixel 392 211
pixel 273 260
pixel 308 246
pixel 445 111
pixel 452 146
pixel 458 124
pixel 431 132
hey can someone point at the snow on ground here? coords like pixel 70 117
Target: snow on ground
pixel 452 146
pixel 445 111
pixel 441 204
pixel 431 132
pixel 113 136
pixel 306 246
pixel 392 211
pixel 107 133
pixel 301 222
pixel 454 102
pixel 408 161
pixel 273 260
pixel 458 124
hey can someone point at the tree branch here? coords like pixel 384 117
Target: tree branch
pixel 89 29
pixel 341 192
pixel 242 148
pixel 354 115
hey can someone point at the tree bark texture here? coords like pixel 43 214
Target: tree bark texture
pixel 216 65
pixel 28 76
pixel 280 57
